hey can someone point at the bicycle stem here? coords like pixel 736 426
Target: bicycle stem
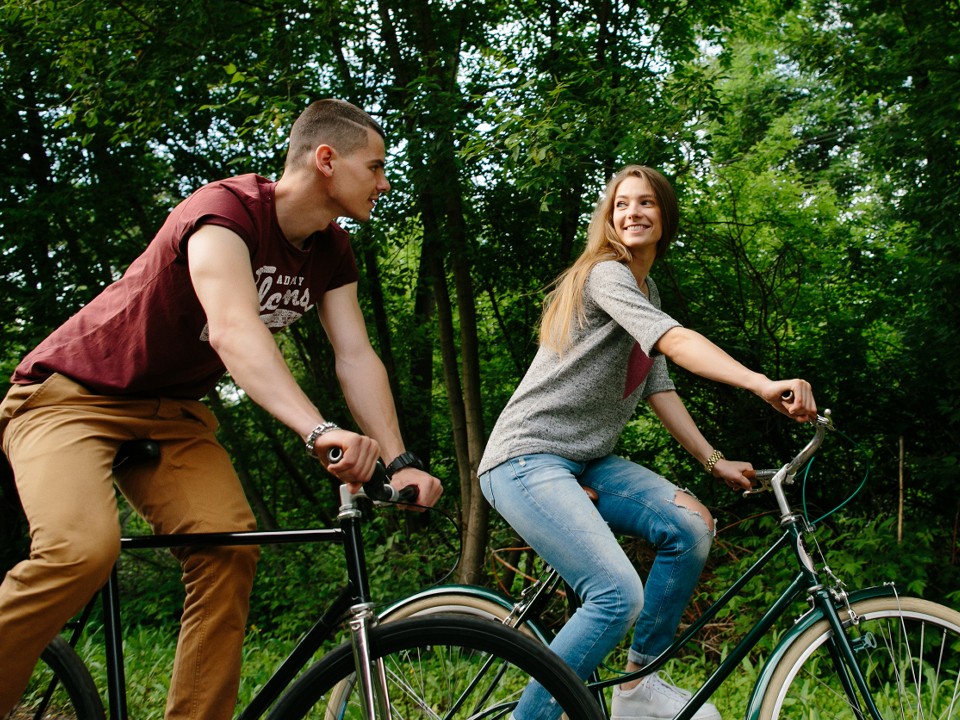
pixel 788 472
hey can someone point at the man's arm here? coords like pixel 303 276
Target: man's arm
pixel 222 277
pixel 365 385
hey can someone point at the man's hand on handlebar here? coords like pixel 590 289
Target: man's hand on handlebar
pixel 357 458
pixel 429 487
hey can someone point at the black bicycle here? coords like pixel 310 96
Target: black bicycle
pixel 441 666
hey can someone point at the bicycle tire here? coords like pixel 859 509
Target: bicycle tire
pixel 461 603
pixel 909 653
pixel 431 664
pixel 73 696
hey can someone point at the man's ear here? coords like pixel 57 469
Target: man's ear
pixel 323 156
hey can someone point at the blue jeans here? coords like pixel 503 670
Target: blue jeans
pixel 542 499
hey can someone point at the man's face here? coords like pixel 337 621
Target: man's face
pixel 359 179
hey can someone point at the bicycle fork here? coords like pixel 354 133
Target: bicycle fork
pixel 371 674
pixel 841 647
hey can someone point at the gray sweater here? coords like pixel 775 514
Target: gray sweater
pixel 576 405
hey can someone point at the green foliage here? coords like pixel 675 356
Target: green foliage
pixel 812 145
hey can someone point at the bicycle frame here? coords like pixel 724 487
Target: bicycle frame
pixel 353 602
pixel 824 602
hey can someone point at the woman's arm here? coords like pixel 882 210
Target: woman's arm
pixel 677 420
pixel 692 351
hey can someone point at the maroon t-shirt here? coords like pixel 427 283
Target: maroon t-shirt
pixel 146 334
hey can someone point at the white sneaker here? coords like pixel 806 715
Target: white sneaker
pixel 654 699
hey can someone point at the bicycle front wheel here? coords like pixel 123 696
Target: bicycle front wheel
pixel 449 666
pixel 60 688
pixel 461 603
pixel 908 650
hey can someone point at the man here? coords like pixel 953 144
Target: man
pixel 237 260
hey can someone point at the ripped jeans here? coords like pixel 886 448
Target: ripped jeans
pixel 541 497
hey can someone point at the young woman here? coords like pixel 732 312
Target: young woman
pixel 603 347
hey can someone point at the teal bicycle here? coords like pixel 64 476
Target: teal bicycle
pixel 870 653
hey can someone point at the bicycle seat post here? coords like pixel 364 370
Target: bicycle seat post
pixel 137 450
pixel 113 645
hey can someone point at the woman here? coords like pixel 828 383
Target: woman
pixel 603 347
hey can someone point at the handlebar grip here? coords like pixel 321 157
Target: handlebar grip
pixel 786 395
pixel 409 494
pixel 378 487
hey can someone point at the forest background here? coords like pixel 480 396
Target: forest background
pixel 814 149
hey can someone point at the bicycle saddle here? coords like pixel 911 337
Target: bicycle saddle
pixel 137 450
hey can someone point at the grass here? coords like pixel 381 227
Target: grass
pixel 149 655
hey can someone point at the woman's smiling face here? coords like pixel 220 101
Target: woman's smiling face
pixel 636 214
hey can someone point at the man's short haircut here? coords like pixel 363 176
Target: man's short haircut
pixel 331 122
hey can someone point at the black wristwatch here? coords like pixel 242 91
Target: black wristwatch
pixel 404 460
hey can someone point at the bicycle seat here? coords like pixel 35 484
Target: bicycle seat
pixel 137 450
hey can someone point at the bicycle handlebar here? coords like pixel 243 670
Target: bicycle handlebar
pixel 771 479
pixel 378 487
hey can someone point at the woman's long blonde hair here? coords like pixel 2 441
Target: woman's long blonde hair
pixel 565 301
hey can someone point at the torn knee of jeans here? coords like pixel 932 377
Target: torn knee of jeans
pixel 685 499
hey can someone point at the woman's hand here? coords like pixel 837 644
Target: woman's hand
pixel 733 474
pixel 794 398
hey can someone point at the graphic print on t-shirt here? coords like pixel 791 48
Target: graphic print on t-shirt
pixel 283 299
pixel 638 367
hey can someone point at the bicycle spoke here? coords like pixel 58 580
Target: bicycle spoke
pixel 908 651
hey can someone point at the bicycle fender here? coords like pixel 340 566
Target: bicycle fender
pixel 474 591
pixel 805 621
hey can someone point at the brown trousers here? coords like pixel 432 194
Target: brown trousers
pixel 60 440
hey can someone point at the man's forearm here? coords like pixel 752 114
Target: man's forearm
pixel 259 369
pixel 366 389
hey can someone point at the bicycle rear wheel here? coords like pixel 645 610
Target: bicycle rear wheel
pixel 908 650
pixel 450 666
pixel 60 688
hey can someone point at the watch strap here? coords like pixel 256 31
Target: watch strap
pixel 404 460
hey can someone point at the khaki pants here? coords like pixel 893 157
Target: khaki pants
pixel 60 440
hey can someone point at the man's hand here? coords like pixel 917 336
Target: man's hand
pixel 428 487
pixel 359 455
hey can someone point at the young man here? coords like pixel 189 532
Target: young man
pixel 237 260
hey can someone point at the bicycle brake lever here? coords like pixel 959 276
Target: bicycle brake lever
pixel 763 477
